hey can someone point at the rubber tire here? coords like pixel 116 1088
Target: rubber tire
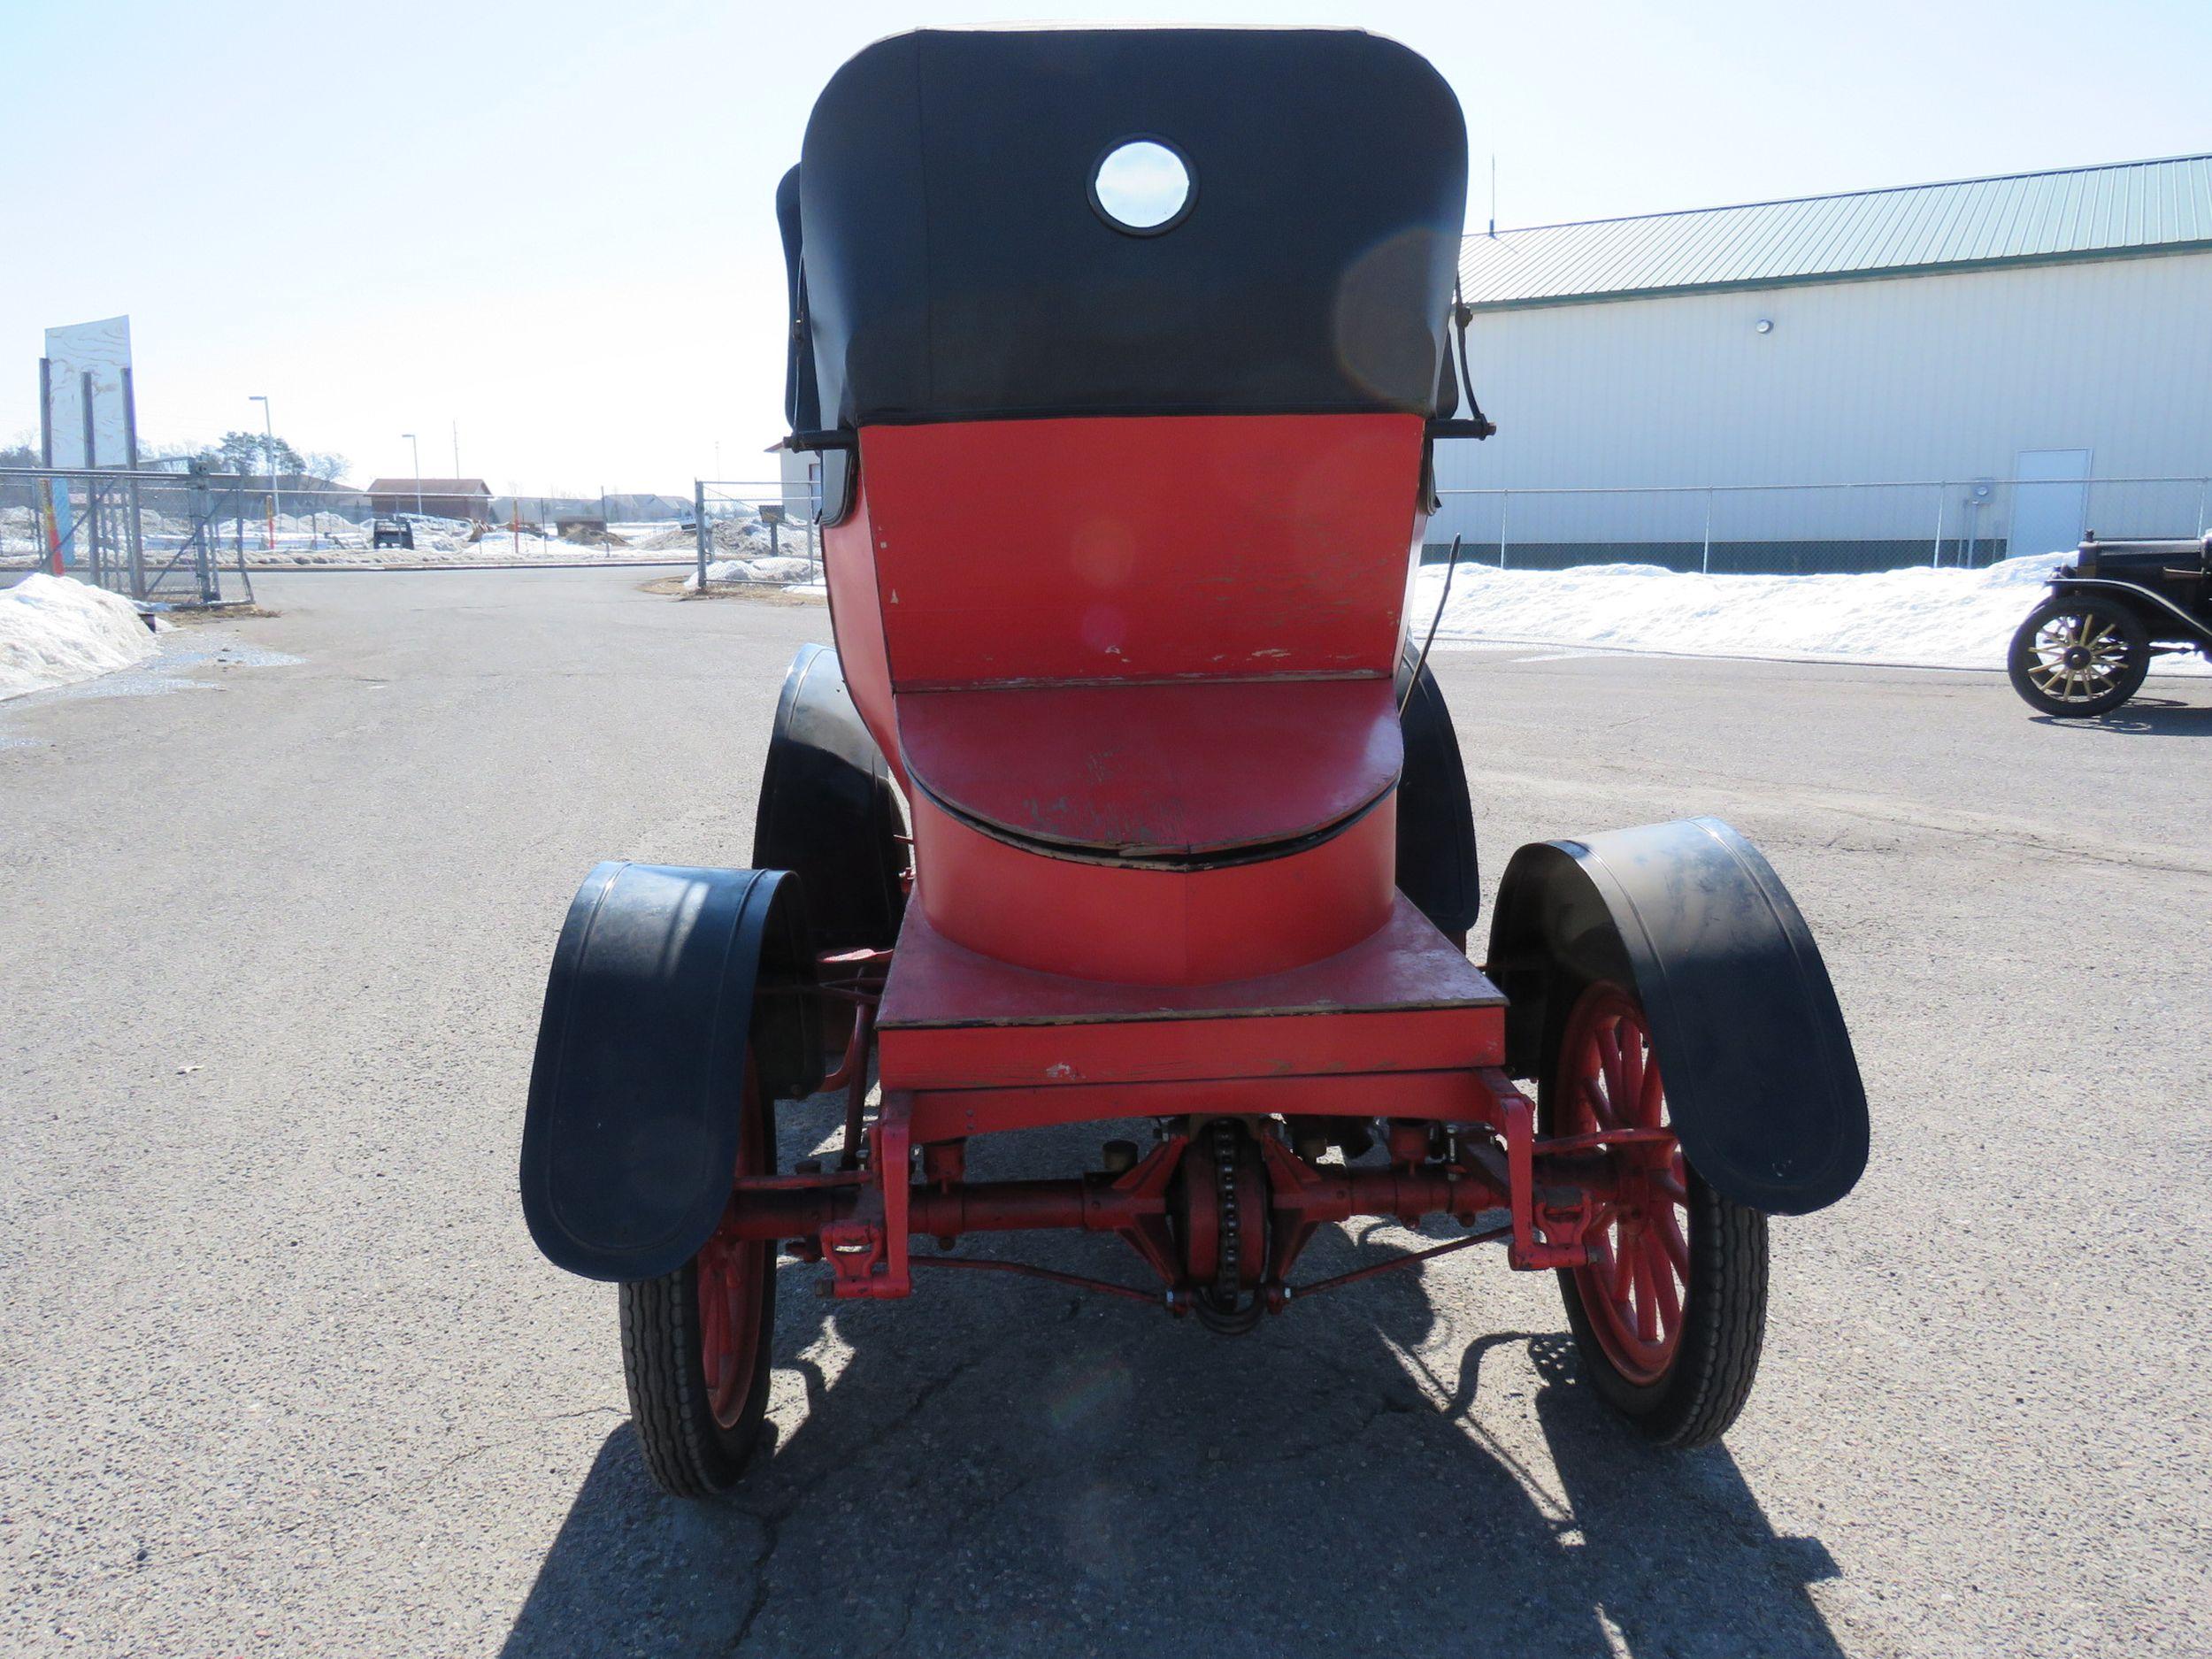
pixel 2133 635
pixel 1724 1313
pixel 688 1454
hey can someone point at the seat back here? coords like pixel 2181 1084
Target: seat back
pixel 958 264
pixel 1051 551
pixel 1087 453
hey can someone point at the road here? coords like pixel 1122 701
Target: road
pixel 280 1372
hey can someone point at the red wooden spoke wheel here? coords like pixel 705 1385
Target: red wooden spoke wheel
pixel 1671 1312
pixel 732 1276
pixel 1633 1290
pixel 696 1342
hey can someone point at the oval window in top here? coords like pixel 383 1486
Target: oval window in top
pixel 1143 185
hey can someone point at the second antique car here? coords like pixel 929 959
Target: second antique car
pixel 2085 649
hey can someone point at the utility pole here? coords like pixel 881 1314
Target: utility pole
pixel 268 457
pixel 415 450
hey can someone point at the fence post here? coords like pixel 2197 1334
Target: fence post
pixel 1935 559
pixel 2201 484
pixel 134 527
pixel 52 530
pixel 1705 565
pixel 90 555
pixel 699 526
pixel 1505 499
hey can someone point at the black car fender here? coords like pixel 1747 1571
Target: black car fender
pixel 1762 1084
pixel 664 992
pixel 2162 617
pixel 829 810
pixel 1437 867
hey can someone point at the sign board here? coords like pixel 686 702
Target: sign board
pixel 88 414
pixel 85 417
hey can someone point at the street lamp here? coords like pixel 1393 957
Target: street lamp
pixel 417 450
pixel 268 457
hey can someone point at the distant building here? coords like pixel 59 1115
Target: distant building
pixel 2018 340
pixel 440 498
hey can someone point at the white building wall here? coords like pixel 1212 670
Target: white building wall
pixel 1932 377
pixel 801 487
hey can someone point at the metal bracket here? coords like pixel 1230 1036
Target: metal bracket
pixel 867 1250
pixel 1553 1239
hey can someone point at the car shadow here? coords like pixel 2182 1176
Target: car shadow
pixel 2144 716
pixel 998 1466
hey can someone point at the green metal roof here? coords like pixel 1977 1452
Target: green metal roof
pixel 2132 207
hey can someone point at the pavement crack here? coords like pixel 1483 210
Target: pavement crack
pixel 897 1644
pixel 771 1519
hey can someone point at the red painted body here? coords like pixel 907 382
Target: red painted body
pixel 1156 770
pixel 1136 678
pixel 1011 552
pixel 1183 644
pixel 1401 1000
pixel 1129 925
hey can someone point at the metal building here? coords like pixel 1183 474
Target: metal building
pixel 1943 372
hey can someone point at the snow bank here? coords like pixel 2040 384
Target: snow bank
pixel 54 630
pixel 1921 617
pixel 779 571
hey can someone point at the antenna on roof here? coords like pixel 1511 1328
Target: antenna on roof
pixel 1494 195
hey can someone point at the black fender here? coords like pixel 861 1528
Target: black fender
pixel 653 1011
pixel 1762 1085
pixel 829 810
pixel 1437 866
pixel 2162 619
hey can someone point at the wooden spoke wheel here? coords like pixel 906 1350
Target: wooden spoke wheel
pixel 695 1343
pixel 2078 656
pixel 1671 1312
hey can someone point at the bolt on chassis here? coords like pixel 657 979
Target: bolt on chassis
pixel 1124 795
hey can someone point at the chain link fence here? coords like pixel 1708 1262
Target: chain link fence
pixel 159 538
pixel 755 533
pixel 1802 529
pixel 192 538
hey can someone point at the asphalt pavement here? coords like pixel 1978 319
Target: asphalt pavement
pixel 280 1372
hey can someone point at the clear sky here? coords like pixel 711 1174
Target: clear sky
pixel 552 222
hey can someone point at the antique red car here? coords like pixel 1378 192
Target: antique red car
pixel 1125 796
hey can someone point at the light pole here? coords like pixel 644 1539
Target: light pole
pixel 268 456
pixel 417 451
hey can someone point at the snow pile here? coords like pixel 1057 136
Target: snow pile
pixel 1918 617
pixel 736 538
pixel 779 571
pixel 53 631
pixel 18 530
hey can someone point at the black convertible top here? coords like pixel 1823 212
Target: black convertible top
pixel 955 266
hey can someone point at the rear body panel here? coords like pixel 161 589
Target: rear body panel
pixel 1080 551
pixel 1401 1000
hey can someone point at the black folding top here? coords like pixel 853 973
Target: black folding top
pixel 957 267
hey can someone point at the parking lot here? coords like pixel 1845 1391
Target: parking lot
pixel 281 1373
